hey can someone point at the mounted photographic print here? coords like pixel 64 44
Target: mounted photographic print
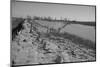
pixel 52 33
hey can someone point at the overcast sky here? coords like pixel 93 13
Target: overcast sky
pixel 72 12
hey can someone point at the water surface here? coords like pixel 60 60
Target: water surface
pixel 87 32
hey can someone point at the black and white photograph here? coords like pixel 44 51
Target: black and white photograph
pixel 44 33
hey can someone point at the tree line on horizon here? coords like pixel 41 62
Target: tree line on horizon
pixel 51 19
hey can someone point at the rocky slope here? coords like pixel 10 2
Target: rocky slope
pixel 33 46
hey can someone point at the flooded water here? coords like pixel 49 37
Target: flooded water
pixel 84 31
pixel 87 32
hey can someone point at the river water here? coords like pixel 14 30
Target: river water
pixel 84 31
